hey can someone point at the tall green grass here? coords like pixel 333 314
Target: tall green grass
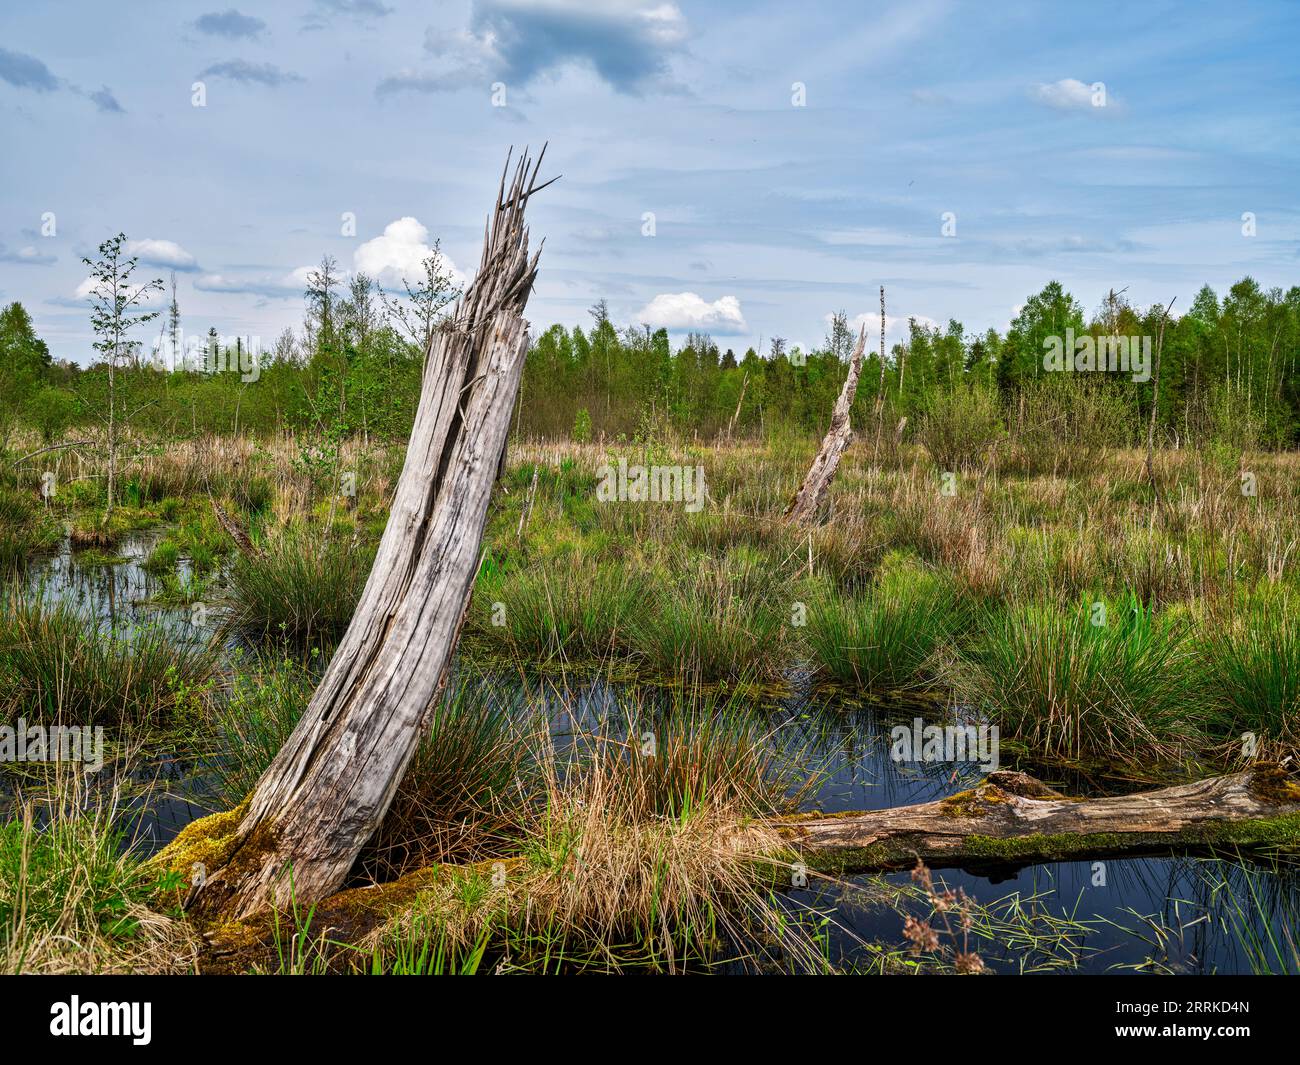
pixel 891 637
pixel 1065 687
pixel 297 592
pixel 714 619
pixel 691 748
pixel 56 662
pixel 572 611
pixel 1252 669
pixel 74 896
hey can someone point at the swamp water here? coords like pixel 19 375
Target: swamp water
pixel 1156 914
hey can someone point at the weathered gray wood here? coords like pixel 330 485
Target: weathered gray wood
pixel 810 501
pixel 331 784
pixel 1013 817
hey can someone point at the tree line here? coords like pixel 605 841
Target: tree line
pixel 1225 369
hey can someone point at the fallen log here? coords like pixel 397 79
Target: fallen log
pixel 1012 818
pixel 331 784
pixel 809 502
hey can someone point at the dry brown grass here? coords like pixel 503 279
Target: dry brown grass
pixel 609 878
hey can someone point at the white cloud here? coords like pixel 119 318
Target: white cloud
pixel 87 288
pixel 686 310
pixel 399 252
pixel 1070 94
pixel 162 253
pixel 896 327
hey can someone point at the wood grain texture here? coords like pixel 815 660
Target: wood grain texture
pixel 1011 817
pixel 328 789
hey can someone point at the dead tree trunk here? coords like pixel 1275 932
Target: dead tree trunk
pixel 810 501
pixel 1011 817
pixel 330 786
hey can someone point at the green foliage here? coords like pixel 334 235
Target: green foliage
pixel 582 426
pixel 714 620
pixel 1253 673
pixel 1228 373
pixel 52 410
pixel 24 362
pixel 890 638
pixel 71 893
pixel 56 663
pixel 961 426
pixel 567 613
pixel 297 592
pixel 1055 680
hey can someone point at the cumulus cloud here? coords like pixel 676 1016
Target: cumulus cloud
pixel 400 252
pixel 232 24
pixel 162 253
pixel 1068 94
pixel 686 310
pixel 247 73
pixel 627 43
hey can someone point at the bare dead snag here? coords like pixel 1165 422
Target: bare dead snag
pixel 328 789
pixel 1011 817
pixel 810 501
pixel 731 425
pixel 234 530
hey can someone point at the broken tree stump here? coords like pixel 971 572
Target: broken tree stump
pixel 810 501
pixel 1013 818
pixel 328 789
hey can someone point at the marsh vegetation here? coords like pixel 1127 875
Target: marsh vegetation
pixel 642 686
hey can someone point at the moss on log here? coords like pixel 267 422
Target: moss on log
pixel 1011 818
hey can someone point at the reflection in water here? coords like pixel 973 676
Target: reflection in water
pixel 1155 914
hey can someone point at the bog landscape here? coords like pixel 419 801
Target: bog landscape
pixel 431 637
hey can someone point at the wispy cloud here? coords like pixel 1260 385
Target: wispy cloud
pixel 105 100
pixel 241 70
pixel 26 72
pixel 232 24
pixel 1071 94
pixel 28 255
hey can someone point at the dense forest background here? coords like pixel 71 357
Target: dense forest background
pixel 1227 372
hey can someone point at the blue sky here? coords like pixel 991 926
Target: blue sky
pixel 767 216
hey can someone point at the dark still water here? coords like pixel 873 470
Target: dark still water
pixel 1154 914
